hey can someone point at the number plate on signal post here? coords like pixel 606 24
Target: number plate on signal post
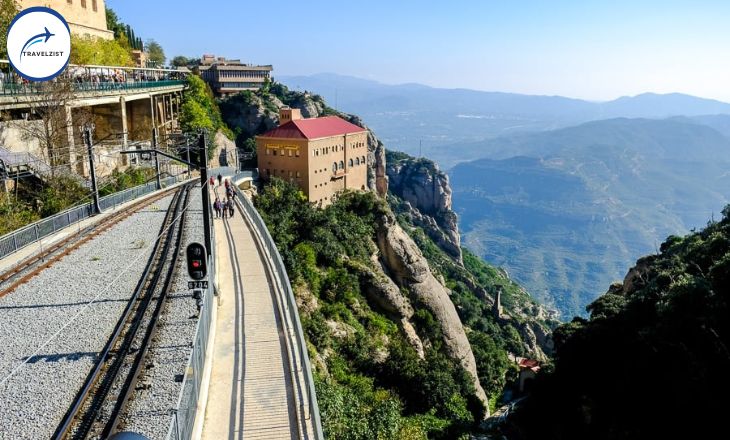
pixel 198 284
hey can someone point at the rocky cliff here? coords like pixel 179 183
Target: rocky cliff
pixel 400 278
pixel 250 114
pixel 427 193
pixel 409 268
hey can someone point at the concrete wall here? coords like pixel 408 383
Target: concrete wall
pixel 139 120
pixel 13 138
pixel 111 121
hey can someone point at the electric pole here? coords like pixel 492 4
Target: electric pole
pixel 87 130
pixel 187 150
pixel 203 162
pixel 157 159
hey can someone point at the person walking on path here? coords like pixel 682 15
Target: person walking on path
pixel 212 181
pixel 220 180
pixel 217 207
pixel 230 208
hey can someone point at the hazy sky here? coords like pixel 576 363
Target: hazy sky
pixel 583 48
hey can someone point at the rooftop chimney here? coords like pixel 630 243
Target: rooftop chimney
pixel 287 114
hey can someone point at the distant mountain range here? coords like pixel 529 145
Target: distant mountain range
pixel 563 193
pixel 406 114
pixel 566 211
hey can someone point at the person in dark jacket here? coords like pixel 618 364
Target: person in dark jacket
pixel 220 180
pixel 217 207
pixel 230 207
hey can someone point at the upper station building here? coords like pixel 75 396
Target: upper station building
pixel 227 77
pixel 320 155
pixel 84 17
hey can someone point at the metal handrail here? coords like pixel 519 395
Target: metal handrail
pixel 278 264
pixel 34 232
pixel 87 78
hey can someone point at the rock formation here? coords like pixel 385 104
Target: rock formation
pixel 409 268
pixel 426 189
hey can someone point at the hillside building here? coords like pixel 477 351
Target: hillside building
pixel 227 77
pixel 320 155
pixel 84 17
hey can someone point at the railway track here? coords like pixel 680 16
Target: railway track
pixel 98 410
pixel 32 266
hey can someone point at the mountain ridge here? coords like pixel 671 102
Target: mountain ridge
pixel 409 117
pixel 565 211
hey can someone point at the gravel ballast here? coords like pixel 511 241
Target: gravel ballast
pixel 150 412
pixel 34 400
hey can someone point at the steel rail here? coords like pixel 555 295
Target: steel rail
pixel 30 267
pixel 81 417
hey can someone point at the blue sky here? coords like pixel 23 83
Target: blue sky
pixel 586 49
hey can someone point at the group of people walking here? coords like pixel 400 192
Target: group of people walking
pixel 224 208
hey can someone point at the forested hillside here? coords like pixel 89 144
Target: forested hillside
pixel 381 359
pixel 652 359
pixel 577 205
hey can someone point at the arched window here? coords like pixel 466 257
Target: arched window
pixel 342 164
pixel 334 167
pixel 351 163
pixel 357 161
pixel 362 160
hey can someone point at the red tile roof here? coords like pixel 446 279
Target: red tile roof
pixel 314 128
pixel 531 364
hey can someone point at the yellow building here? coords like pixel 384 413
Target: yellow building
pixel 84 17
pixel 320 155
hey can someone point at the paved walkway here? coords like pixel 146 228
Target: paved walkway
pixel 250 395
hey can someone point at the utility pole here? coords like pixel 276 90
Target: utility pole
pixel 187 149
pixel 87 130
pixel 203 162
pixel 157 159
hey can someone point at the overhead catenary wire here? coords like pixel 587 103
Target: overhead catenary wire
pixel 94 299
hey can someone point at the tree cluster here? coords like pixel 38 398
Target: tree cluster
pixel 371 382
pixel 123 32
pixel 652 360
pixel 8 10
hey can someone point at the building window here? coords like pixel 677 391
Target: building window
pixel 296 153
pixel 363 160
pixel 334 167
pixel 342 164
pixel 351 163
pixel 93 5
pixel 268 152
pixel 291 153
pixel 299 174
pixel 357 161
pixel 291 174
pixel 274 153
pixel 83 3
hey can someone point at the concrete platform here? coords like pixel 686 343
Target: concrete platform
pixel 250 393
